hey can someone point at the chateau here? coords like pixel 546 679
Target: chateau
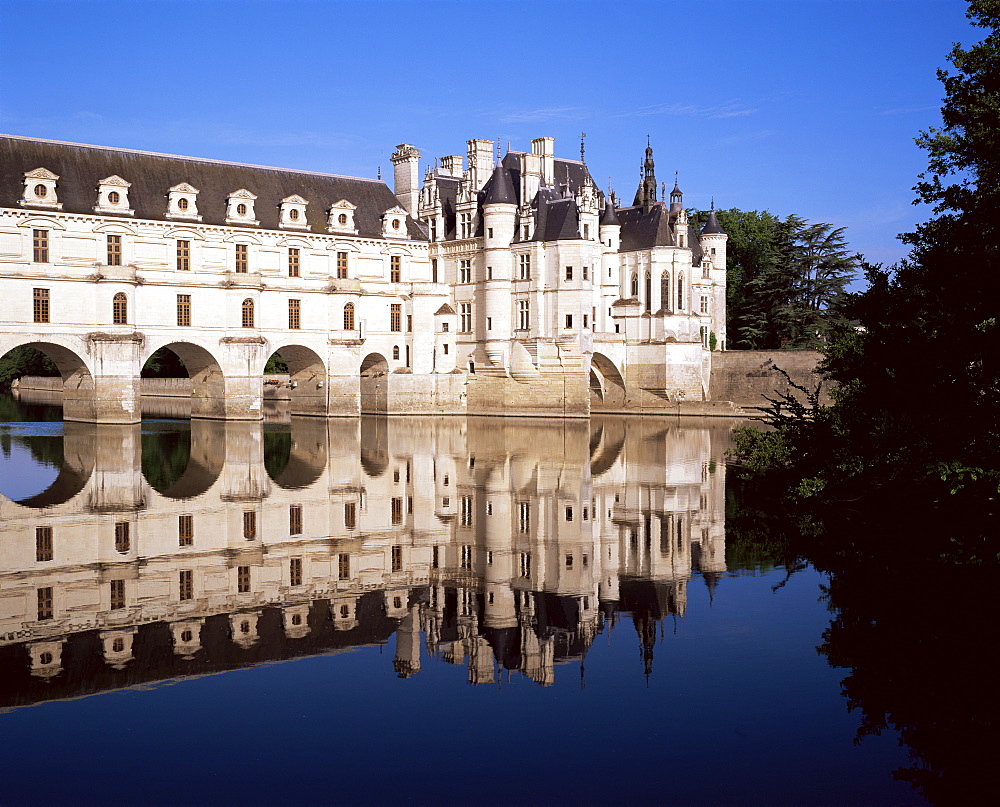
pixel 497 285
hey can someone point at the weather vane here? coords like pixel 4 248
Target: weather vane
pixel 583 135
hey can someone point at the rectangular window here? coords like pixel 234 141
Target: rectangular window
pixel 524 516
pixel 397 558
pixel 435 557
pixel 41 302
pixel 293 262
pixel 395 268
pixel 465 324
pixel 704 304
pixel 184 310
pixel 114 250
pixel 242 579
pixel 249 524
pixel 185 584
pixel 183 255
pixel 466 225
pixel 445 346
pixel 525 267
pixel 434 265
pixel 569 320
pixel 467 556
pixel 489 272
pixel 465 271
pixel 341 265
pixel 525 564
pixel 433 225
pixel 350 515
pixel 396 317
pixel 569 513
pixel 294 314
pixel 43 543
pixel 295 519
pixel 185 530
pixel 397 510
pixel 523 315
pixel 489 232
pixel 295 572
pixel 45 606
pixel 569 272
pixel 409 323
pixel 344 566
pixel 586 234
pixel 117 595
pixel 569 561
pixel 41 246
pixel 242 258
pixel 584 320
pixel 123 539
pixel 466 511
pixel 444 327
pixel 586 272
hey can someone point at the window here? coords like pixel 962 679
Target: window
pixel 41 191
pixel 586 234
pixel 445 346
pixel 242 257
pixel 465 228
pixel 119 309
pixel 293 259
pixel 569 320
pixel 525 564
pixel 680 291
pixel 183 255
pixel 43 543
pixel 705 266
pixel 704 304
pixel 186 584
pixel 114 247
pixel 433 226
pixel 123 539
pixel 295 571
pixel 397 558
pixel 444 327
pixel 489 272
pixel 569 513
pixel 185 530
pixel 466 556
pixel 349 317
pixel 523 315
pixel 249 524
pixel 184 310
pixel 489 232
pixel 584 320
pixel 294 314
pixel 397 510
pixel 182 204
pixel 41 246
pixel 114 197
pixel 434 267
pixel 524 516
pixel 248 313
pixel 525 267
pixel 117 595
pixel 341 265
pixel 466 511
pixel 342 219
pixel 395 352
pixel 45 603
pixel 242 579
pixel 435 557
pixel 569 272
pixel 634 288
pixel 409 323
pixel 569 562
pixel 344 566
pixel 395 317
pixel 465 323
pixel 586 272
pixel 295 519
pixel 489 323
pixel 395 268
pixel 350 515
pixel 465 271
pixel 241 209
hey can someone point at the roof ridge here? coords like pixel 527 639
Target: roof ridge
pixel 188 158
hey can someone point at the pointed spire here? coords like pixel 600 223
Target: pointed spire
pixel 501 189
pixel 583 136
pixel 712 226
pixel 609 218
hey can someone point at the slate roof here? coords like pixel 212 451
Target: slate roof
pixel 642 230
pixel 712 226
pixel 80 168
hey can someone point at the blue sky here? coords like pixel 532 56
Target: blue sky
pixel 793 106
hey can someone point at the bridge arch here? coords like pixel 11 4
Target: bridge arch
pixel 72 359
pixel 307 377
pixel 208 381
pixel 607 387
pixel 374 384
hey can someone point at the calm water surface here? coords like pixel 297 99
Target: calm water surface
pixel 407 609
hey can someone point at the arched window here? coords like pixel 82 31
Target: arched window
pixel 119 309
pixel 680 291
pixel 349 317
pixel 248 313
pixel 395 352
pixel 635 286
pixel 649 291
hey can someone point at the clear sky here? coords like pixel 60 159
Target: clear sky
pixel 793 106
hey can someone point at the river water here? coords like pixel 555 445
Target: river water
pixel 419 610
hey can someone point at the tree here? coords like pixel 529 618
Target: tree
pixel 24 360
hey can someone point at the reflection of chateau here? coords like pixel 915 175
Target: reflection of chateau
pixel 498 544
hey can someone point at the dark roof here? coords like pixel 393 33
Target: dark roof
pixel 500 189
pixel 641 230
pixel 609 218
pixel 81 167
pixel 712 226
pixel 558 219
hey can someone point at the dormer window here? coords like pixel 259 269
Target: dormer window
pixel 112 196
pixel 341 218
pixel 394 223
pixel 239 208
pixel 40 189
pixel 182 203
pixel 293 213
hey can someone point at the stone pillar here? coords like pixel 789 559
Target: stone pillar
pixel 112 393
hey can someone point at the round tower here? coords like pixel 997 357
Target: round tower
pixel 499 214
pixel 713 247
pixel 610 279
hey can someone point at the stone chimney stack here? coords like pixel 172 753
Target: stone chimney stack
pixel 406 168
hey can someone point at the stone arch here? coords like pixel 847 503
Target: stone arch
pixel 607 387
pixel 208 381
pixel 374 384
pixel 78 387
pixel 307 379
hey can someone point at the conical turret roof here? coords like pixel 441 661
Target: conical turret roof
pixel 609 218
pixel 501 189
pixel 712 226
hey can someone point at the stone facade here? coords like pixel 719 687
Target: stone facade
pixel 509 286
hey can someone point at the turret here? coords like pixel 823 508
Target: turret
pixel 646 193
pixel 676 198
pixel 499 214
pixel 406 176
pixel 713 247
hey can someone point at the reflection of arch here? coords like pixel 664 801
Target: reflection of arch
pixel 78 382
pixel 296 459
pixel 208 383
pixel 374 446
pixel 78 444
pixel 306 379
pixel 204 444
pixel 606 443
pixel 374 383
pixel 607 387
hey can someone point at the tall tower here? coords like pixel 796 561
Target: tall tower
pixel 499 211
pixel 646 193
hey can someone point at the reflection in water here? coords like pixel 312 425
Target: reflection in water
pixel 501 546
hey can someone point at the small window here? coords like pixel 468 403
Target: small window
pixel 395 352
pixel 293 256
pixel 341 265
pixel 569 320
pixel 41 191
pixel 248 313
pixel 294 314
pixel 586 235
pixel 569 513
pixel 242 257
pixel 183 255
pixel 184 310
pixel 295 519
pixel 397 558
pixel 586 272
pixel 395 266
pixel 119 309
pixel 185 530
pixel 342 219
pixel 489 232
pixel 43 543
pixel 397 510
pixel 186 584
pixel 241 209
pixel 242 579
pixel 569 272
pixel 344 566
pixel 434 269
pixel 249 524
pixel 295 571
pixel 569 561
pixel 45 605
pixel 40 253
pixel 293 214
pixel 114 197
pixel 349 317
pixel 182 204
pixel 114 246
pixel 123 540
pixel 444 327
pixel 117 595
pixel 350 515
pixel 445 348
pixel 118 645
pixel 396 317
pixel 395 224
pixel 41 305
